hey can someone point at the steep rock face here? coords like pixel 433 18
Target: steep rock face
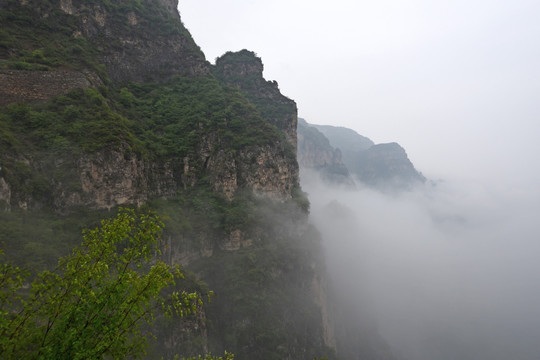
pixel 140 54
pixel 244 70
pixel 5 194
pixel 142 41
pixel 316 154
pixel 266 170
pixel 112 178
pixel 133 48
pixel 101 180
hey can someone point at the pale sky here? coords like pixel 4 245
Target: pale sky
pixel 456 83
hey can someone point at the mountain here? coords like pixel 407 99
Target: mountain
pixel 316 153
pixel 111 103
pixel 385 166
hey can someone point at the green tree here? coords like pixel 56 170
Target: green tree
pixel 95 303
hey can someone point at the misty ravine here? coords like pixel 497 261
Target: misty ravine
pixel 445 271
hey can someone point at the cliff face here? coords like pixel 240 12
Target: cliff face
pixel 134 41
pixel 244 70
pixel 114 42
pixel 147 43
pixel 111 103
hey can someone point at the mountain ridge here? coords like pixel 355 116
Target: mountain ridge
pixel 383 166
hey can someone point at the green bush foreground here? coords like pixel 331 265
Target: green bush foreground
pixel 95 303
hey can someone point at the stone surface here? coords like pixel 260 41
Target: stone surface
pixel 110 178
pixel 32 86
pixel 5 194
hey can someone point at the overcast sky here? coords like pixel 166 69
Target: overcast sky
pixel 456 83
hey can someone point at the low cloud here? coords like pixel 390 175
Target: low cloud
pixel 447 271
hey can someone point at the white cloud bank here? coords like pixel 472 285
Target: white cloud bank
pixel 448 272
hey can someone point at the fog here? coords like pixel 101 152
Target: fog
pixel 447 271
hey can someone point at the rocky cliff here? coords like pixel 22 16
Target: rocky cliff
pixel 111 103
pixel 115 42
pixel 244 70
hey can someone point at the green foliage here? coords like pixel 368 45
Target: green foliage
pixel 34 42
pixel 200 210
pixel 155 121
pixel 81 120
pixel 301 199
pixel 263 307
pixel 172 118
pixel 272 106
pixel 39 36
pixel 94 303
pixel 36 239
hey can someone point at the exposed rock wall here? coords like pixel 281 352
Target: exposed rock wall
pixel 271 174
pixel 5 194
pixel 141 51
pixel 31 86
pixel 271 170
pixel 266 170
pixel 134 45
pixel 111 178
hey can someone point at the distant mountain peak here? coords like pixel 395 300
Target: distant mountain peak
pixel 384 166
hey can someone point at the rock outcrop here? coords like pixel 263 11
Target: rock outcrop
pixel 244 70
pixel 111 178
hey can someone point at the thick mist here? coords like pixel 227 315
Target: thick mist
pixel 447 271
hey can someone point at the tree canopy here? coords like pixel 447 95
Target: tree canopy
pixel 95 303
